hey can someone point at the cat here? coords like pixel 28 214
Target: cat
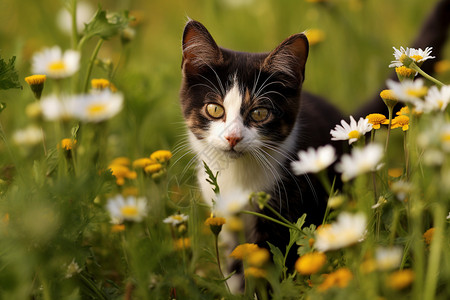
pixel 248 116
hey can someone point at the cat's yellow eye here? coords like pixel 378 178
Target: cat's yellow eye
pixel 215 111
pixel 259 114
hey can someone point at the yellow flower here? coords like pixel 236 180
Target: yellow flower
pixel 401 279
pixel 235 224
pixel 400 121
pixel 36 83
pixel 258 257
pixel 442 66
pixel 310 263
pixel 403 111
pixel 100 84
pixel 68 144
pixel 315 36
pixel 121 172
pixel 215 221
pixel 153 168
pixel 376 120
pixel 395 172
pixel 405 72
pixel 161 155
pixel 242 251
pixel 117 228
pixel 182 243
pixel 141 163
pixel 428 235
pixel 339 278
pixel 123 161
pixel 255 272
pixel 389 98
pixel 35 79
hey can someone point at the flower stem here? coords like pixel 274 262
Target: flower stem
pixel 91 64
pixel 421 72
pixel 216 245
pixel 288 225
pixel 74 24
pixel 390 109
pixel 435 252
pixel 405 149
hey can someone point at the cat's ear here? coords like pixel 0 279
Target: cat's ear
pixel 289 57
pixel 199 48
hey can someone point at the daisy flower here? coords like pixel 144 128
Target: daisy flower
pixel 176 219
pixel 56 108
pixel 29 136
pixel 56 64
pixel 97 107
pixel 388 258
pixel 85 12
pixel 128 209
pixel 408 90
pixel 348 229
pixel 437 100
pixel 360 161
pixel 418 55
pixel 231 203
pixel 351 132
pixel 376 120
pixel 313 161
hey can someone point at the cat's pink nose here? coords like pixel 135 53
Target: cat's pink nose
pixel 233 140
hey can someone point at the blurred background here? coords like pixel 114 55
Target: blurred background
pixel 348 59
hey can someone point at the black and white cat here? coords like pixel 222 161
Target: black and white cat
pixel 248 116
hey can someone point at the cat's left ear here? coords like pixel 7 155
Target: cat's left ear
pixel 289 57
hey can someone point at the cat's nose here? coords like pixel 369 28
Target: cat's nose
pixel 233 140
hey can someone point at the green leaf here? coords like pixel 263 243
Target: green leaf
pixel 106 27
pixel 9 79
pixel 212 178
pixel 278 257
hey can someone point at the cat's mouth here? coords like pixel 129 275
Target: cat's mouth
pixel 233 153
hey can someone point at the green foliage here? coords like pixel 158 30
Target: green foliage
pixel 9 78
pixel 105 27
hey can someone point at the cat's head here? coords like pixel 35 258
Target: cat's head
pixel 236 102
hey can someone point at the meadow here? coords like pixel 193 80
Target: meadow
pixel 100 200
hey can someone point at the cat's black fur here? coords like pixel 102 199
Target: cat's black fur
pixel 284 67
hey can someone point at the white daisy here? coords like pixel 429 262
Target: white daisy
pixel 96 107
pixel 437 100
pixel 72 269
pixel 85 12
pixel 418 55
pixel 348 229
pixel 231 203
pixel 176 219
pixel 128 209
pixel 351 132
pixel 448 217
pixel 56 108
pixel 360 161
pixel 29 136
pixel 408 90
pixel 313 161
pixel 388 258
pixel 56 64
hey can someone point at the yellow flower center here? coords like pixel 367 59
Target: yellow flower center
pixel 57 66
pixel 404 71
pixel 129 211
pixel 420 92
pixel 445 137
pixel 376 118
pixel 388 95
pixel 96 109
pixel 416 57
pixel 100 83
pixel 35 79
pixel 354 134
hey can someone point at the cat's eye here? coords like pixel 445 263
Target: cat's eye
pixel 215 111
pixel 259 114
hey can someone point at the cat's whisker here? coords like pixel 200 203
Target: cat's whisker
pixel 263 85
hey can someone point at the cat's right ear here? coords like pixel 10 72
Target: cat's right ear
pixel 199 48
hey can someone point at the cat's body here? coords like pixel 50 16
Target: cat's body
pixel 248 117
